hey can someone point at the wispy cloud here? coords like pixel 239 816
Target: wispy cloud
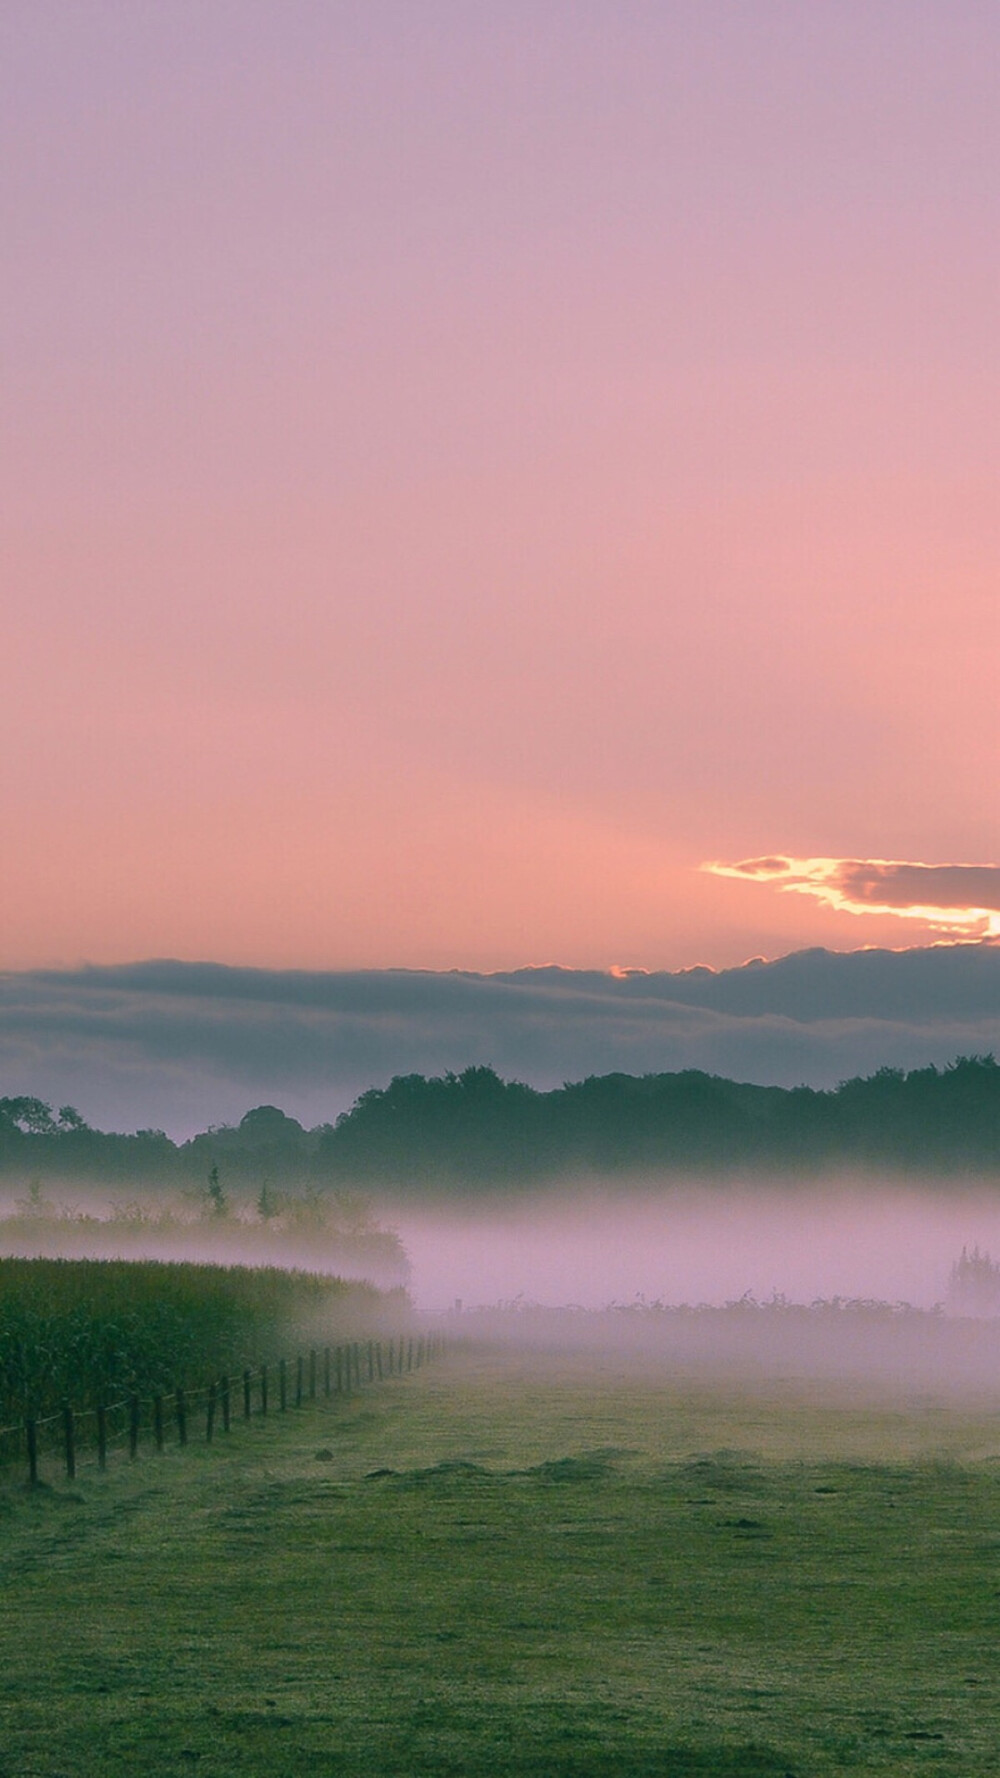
pixel 961 899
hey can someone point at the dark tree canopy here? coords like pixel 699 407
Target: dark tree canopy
pixel 463 1131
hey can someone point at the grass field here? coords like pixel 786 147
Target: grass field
pixel 559 1567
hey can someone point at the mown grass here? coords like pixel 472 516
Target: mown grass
pixel 513 1566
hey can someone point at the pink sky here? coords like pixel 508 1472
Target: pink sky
pixel 467 467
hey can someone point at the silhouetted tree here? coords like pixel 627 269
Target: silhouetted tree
pixel 216 1196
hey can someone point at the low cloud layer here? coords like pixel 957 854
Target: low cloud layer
pixel 955 898
pixel 179 1046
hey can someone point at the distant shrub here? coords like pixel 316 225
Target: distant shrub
pixel 974 1284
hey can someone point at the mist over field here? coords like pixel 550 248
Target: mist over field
pixel 855 1280
pixel 584 1243
pixel 847 1237
pixel 335 1236
pixel 881 1292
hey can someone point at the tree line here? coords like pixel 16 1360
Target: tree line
pixel 463 1130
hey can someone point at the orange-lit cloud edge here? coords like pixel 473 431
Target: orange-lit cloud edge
pixel 961 900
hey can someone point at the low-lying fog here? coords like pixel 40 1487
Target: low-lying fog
pixel 662 1242
pixel 699 1244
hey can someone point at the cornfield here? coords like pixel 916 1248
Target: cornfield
pixel 87 1330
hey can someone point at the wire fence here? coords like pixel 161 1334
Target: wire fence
pixel 178 1417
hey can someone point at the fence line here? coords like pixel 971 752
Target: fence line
pixel 341 1370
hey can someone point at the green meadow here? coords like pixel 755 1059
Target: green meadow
pixel 518 1564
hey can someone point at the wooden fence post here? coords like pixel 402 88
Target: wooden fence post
pixel 69 1438
pixel 342 1373
pixel 282 1386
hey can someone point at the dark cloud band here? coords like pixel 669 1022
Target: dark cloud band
pixel 182 1045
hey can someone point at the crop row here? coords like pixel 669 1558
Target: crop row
pixel 87 1330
